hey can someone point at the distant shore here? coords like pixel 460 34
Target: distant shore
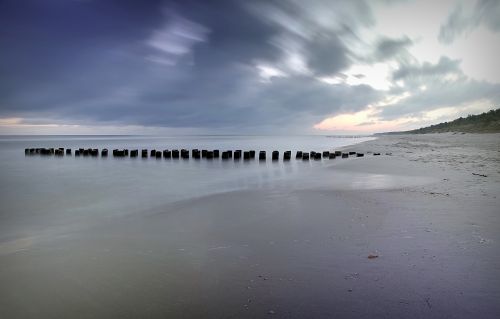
pixel 412 233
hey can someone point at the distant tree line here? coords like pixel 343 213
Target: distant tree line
pixel 487 122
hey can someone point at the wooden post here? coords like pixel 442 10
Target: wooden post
pixel 287 155
pixel 275 155
pixel 196 154
pixel 237 154
pixel 262 155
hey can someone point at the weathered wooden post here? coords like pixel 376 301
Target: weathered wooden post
pixel 345 155
pixel 317 156
pixel 204 153
pixel 144 153
pixel 184 154
pixel 193 152
pixel 175 154
pixel 68 151
pixel 287 155
pixel 298 155
pixel 275 155
pixel 352 153
pixel 237 154
pixel 152 153
pixel 376 154
pixel 262 155
pixel 94 152
pixel 118 153
pixel 210 155
pixel 86 152
pixel 196 154
pixel 225 155
pixel 360 154
pixel 77 152
pixel 229 153
pixel 331 156
pixel 246 155
pixel 305 156
pixel 252 154
pixel 338 153
pixel 167 154
pixel 134 153
pixel 326 154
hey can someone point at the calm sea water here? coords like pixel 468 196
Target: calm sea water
pixel 48 195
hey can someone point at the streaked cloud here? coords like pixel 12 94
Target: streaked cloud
pixel 240 66
pixel 465 19
pixel 175 39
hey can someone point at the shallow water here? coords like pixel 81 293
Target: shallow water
pixel 48 195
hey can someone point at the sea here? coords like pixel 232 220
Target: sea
pixel 48 195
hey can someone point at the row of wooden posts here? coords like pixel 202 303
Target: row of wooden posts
pixel 195 153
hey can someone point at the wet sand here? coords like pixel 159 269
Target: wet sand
pixel 292 250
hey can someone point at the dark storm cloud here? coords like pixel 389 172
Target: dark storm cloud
pixel 176 64
pixel 485 12
pixel 203 64
pixel 327 54
pixel 387 48
pixel 443 67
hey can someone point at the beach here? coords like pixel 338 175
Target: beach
pixel 412 233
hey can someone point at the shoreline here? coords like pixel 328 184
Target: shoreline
pixel 295 249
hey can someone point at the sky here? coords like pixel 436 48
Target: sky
pixel 244 67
